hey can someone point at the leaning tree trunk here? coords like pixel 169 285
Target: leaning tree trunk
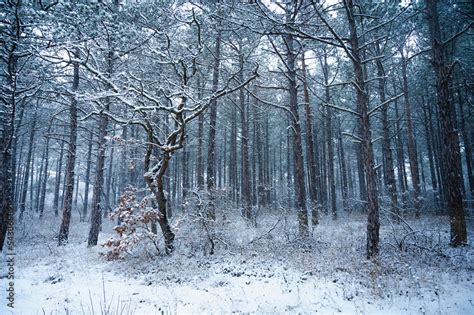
pixel 71 160
pixel 450 140
pixel 154 180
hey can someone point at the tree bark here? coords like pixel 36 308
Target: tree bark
pixel 28 169
pixel 299 183
pixel 400 153
pixel 8 106
pixel 429 146
pixel 330 143
pixel 412 154
pixel 233 169
pixel 342 162
pixel 44 179
pixel 57 185
pixel 313 170
pixel 200 162
pixel 389 174
pixel 87 179
pixel 71 160
pixel 246 197
pixel 467 145
pixel 211 152
pixel 373 224
pixel 97 203
pixel 450 140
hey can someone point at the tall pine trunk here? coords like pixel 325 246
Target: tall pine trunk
pixel 412 154
pixel 44 178
pixel 299 179
pixel 330 143
pixel 450 141
pixel 389 175
pixel 246 197
pixel 28 169
pixel 88 174
pixel 200 162
pixel 313 169
pixel 211 152
pixel 71 159
pixel 373 223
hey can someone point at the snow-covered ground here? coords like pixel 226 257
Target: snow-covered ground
pixel 277 273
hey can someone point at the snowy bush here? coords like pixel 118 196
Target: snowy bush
pixel 137 224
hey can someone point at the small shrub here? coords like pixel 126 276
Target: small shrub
pixel 136 224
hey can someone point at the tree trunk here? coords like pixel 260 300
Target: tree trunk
pixel 87 180
pixel 313 170
pixel 57 185
pixel 259 157
pixel 400 154
pixel 71 160
pixel 342 162
pixel 300 191
pixel 429 147
pixel 330 144
pixel 32 176
pixel 389 174
pixel 412 154
pixel 154 180
pixel 467 146
pixel 373 224
pixel 200 162
pixel 246 197
pixel 450 141
pixel 97 203
pixel 233 170
pixel 124 177
pixel 108 183
pixel 44 179
pixel 185 173
pixel 8 106
pixel 29 167
pixel 76 194
pixel 211 152
pixel 39 177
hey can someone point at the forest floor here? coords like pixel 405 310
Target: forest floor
pixel 266 270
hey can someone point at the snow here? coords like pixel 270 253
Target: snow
pixel 275 274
